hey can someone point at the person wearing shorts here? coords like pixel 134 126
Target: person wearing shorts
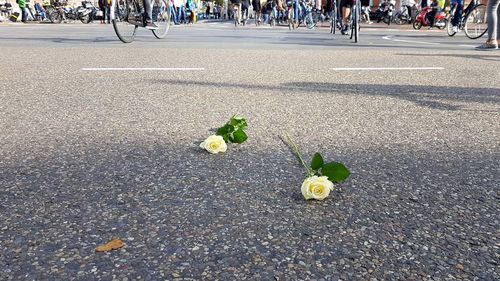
pixel 346 6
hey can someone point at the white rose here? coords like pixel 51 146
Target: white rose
pixel 214 144
pixel 316 188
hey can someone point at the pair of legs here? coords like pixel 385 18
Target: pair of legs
pixel 104 7
pixel 458 12
pixel 237 12
pixel 24 14
pixel 346 13
pixel 244 11
pixel 493 15
pixel 181 14
pixel 431 17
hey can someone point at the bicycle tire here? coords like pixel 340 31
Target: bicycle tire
pixel 449 27
pixel 476 24
pixel 123 29
pixel 356 22
pixel 161 17
pixel 335 21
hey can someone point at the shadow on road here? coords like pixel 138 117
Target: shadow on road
pixel 62 40
pixel 478 57
pixel 209 212
pixel 434 97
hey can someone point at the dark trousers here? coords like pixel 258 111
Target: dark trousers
pixel 458 12
pixel 24 15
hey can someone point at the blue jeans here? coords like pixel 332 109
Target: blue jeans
pixel 181 14
pixel 173 15
pixel 458 12
pixel 266 18
pixel 296 11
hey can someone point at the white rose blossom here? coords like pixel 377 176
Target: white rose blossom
pixel 315 187
pixel 214 144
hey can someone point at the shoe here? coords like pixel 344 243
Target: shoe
pixel 487 47
pixel 454 29
pixel 345 30
pixel 151 26
pixel 370 22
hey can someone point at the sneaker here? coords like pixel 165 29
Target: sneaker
pixel 151 26
pixel 487 47
pixel 454 29
pixel 345 30
pixel 370 22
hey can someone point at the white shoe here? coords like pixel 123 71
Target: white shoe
pixel 370 22
pixel 454 29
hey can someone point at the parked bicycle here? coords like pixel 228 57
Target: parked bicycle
pixel 127 16
pixel 402 16
pixel 473 21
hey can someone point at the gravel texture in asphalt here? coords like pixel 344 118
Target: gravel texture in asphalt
pixel 86 157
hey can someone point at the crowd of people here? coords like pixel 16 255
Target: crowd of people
pixel 187 11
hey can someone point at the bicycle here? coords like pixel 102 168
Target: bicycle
pixel 473 21
pixel 127 16
pixel 354 20
pixel 334 21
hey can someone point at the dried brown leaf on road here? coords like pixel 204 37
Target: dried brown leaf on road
pixel 111 245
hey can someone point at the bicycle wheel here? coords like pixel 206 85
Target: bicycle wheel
pixel 449 27
pixel 476 23
pixel 356 21
pixel 334 22
pixel 123 11
pixel 161 17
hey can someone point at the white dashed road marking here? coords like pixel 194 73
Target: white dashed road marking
pixel 144 69
pixel 385 68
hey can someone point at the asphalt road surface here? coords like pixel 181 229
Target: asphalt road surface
pixel 99 140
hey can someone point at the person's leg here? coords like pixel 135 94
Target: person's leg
pixel 430 18
pixel 173 14
pixel 296 10
pixel 184 16
pixel 24 15
pixel 493 14
pixel 346 12
pixel 101 7
pixel 498 20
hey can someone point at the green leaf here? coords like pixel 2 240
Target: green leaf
pixel 226 129
pixel 317 162
pixel 222 130
pixel 240 136
pixel 336 172
pixel 234 122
